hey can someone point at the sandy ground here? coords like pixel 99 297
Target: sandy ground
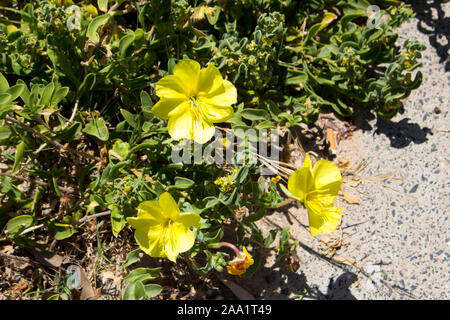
pixel 394 244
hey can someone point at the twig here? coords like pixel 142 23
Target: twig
pixel 20 259
pixel 41 183
pixel 100 214
pixel 51 141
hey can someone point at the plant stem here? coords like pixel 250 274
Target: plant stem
pixel 100 214
pixel 42 183
pixel 51 141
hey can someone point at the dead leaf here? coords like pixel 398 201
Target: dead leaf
pixel 7 249
pixel 350 197
pixel 347 261
pixel 48 258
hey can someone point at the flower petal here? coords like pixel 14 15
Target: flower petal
pixel 326 173
pixel 322 219
pixel 188 219
pixel 209 80
pixel 188 71
pixel 300 182
pixel 165 106
pixel 189 125
pixel 169 206
pixel 172 87
pixel 148 236
pixel 226 95
pixel 215 113
pixel 180 239
pixel 150 210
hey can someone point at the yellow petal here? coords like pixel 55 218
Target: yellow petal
pixel 188 72
pixel 215 113
pixel 307 162
pixel 190 125
pixel 322 219
pixel 169 206
pixel 148 236
pixel 225 95
pixel 171 87
pixel 210 80
pixel 300 182
pixel 165 106
pixel 150 210
pixel 188 219
pixel 180 239
pixel 326 173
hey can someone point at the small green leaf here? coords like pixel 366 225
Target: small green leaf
pixel 63 231
pixel 255 114
pixel 18 156
pixel 182 183
pixel 213 16
pixel 142 274
pixel 3 83
pixel 87 85
pixel 102 5
pixel 58 95
pixel 95 24
pixel 125 43
pixel 46 95
pixel 98 129
pixel 129 118
pixel 132 257
pixel 118 220
pixel 19 223
pixel 15 91
pixel 152 290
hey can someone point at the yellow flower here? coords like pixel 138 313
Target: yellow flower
pixel 275 179
pixel 317 188
pixel 161 230
pixel 240 264
pixel 193 100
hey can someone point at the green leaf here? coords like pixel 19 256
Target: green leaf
pixel 271 237
pixel 69 133
pixel 213 16
pixel 46 95
pixel 296 78
pixel 102 5
pixel 129 118
pixel 125 43
pixel 182 183
pixel 3 83
pixel 152 290
pixel 5 133
pixel 15 91
pixel 95 24
pixel 5 98
pixel 129 292
pixel 63 231
pixel 58 95
pixel 118 221
pixel 142 274
pixel 98 129
pixel 19 223
pixel 87 85
pixel 255 114
pixel 312 32
pixel 132 257
pixel 18 156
